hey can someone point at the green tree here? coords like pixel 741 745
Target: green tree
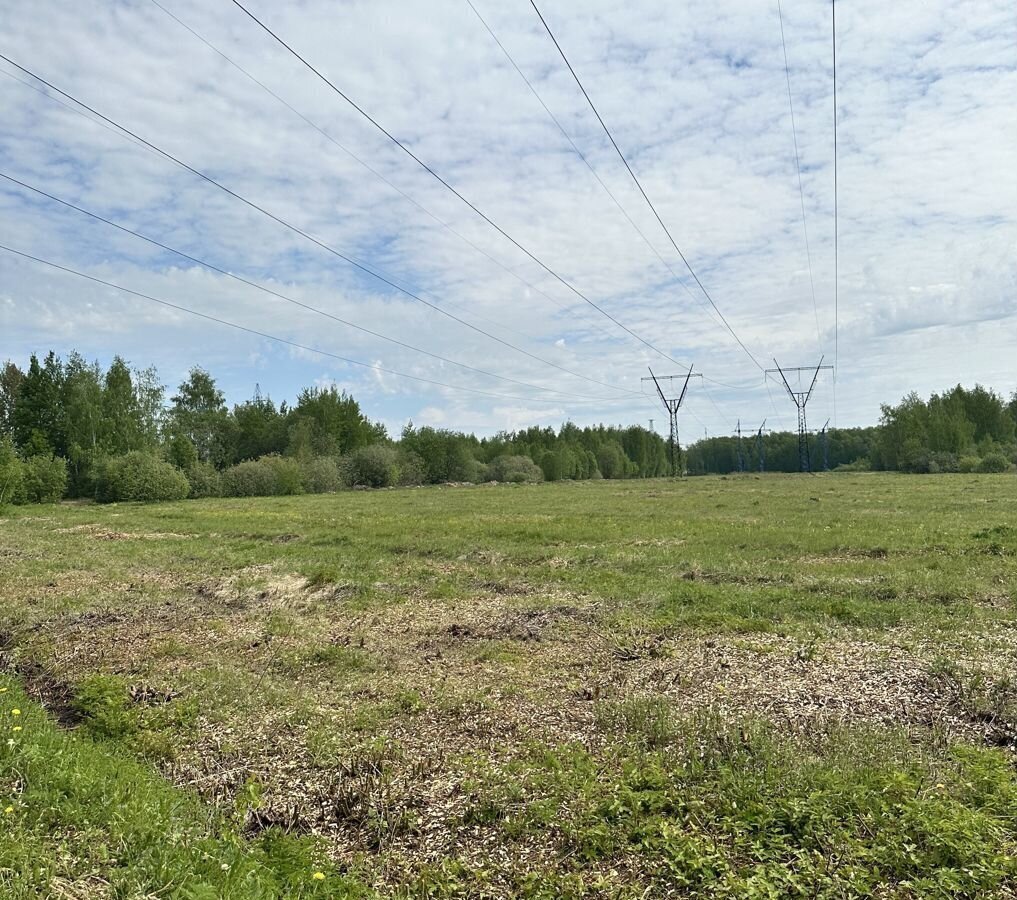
pixel 199 413
pixel 327 422
pixel 39 422
pixel 85 421
pixel 10 383
pixel 260 427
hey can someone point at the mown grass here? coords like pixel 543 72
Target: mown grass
pixel 733 811
pixel 480 692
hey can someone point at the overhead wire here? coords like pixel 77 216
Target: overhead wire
pixel 639 185
pixel 318 311
pixel 394 187
pixel 836 216
pixel 295 229
pixel 582 156
pixel 798 169
pixel 431 171
pixel 271 337
pixel 596 175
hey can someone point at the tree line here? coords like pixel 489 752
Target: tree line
pixel 71 428
pixel 962 430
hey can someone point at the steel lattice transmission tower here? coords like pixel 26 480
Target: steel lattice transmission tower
pixel 741 456
pixel 800 400
pixel 672 405
pixel 824 441
pixel 760 448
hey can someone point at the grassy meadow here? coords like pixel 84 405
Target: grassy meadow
pixel 778 686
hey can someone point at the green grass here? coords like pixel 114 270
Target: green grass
pixel 80 817
pixel 746 687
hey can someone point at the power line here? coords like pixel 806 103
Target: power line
pixel 281 296
pixel 798 168
pixel 448 227
pixel 276 338
pixel 583 157
pixel 836 216
pixel 446 184
pixel 361 266
pixel 639 185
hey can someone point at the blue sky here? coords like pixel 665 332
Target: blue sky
pixel 697 98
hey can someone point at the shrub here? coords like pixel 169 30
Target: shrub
pixel 12 474
pixel 942 461
pixel 476 472
pixel 412 470
pixel 861 464
pixel 204 480
pixel 994 462
pixel 45 479
pixel 968 464
pixel 374 466
pixel 515 469
pixel 139 476
pixel 268 476
pixel 251 478
pixel 288 473
pixel 321 475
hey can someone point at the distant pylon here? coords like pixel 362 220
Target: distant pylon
pixel 760 447
pixel 800 399
pixel 672 405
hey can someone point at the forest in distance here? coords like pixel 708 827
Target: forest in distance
pixel 70 428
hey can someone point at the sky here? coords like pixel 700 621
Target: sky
pixel 696 96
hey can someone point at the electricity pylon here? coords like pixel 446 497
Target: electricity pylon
pixel 760 448
pixel 741 456
pixel 672 405
pixel 825 443
pixel 800 399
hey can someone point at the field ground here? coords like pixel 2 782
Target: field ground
pixel 749 687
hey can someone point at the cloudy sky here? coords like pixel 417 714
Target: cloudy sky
pixel 695 95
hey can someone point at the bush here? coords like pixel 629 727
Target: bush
pixel 45 479
pixel 204 480
pixel 968 464
pixel 412 470
pixel 374 466
pixel 942 461
pixel 861 464
pixel 477 472
pixel 252 478
pixel 268 476
pixel 321 475
pixel 139 476
pixel 12 474
pixel 994 462
pixel 288 473
pixel 515 469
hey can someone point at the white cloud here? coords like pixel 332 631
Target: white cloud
pixel 695 94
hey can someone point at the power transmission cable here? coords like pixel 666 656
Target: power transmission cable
pixel 583 157
pixel 836 217
pixel 361 266
pixel 427 168
pixel 600 180
pixel 448 227
pixel 798 169
pixel 272 337
pixel 281 296
pixel 639 185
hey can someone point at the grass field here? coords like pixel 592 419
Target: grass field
pixel 726 687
